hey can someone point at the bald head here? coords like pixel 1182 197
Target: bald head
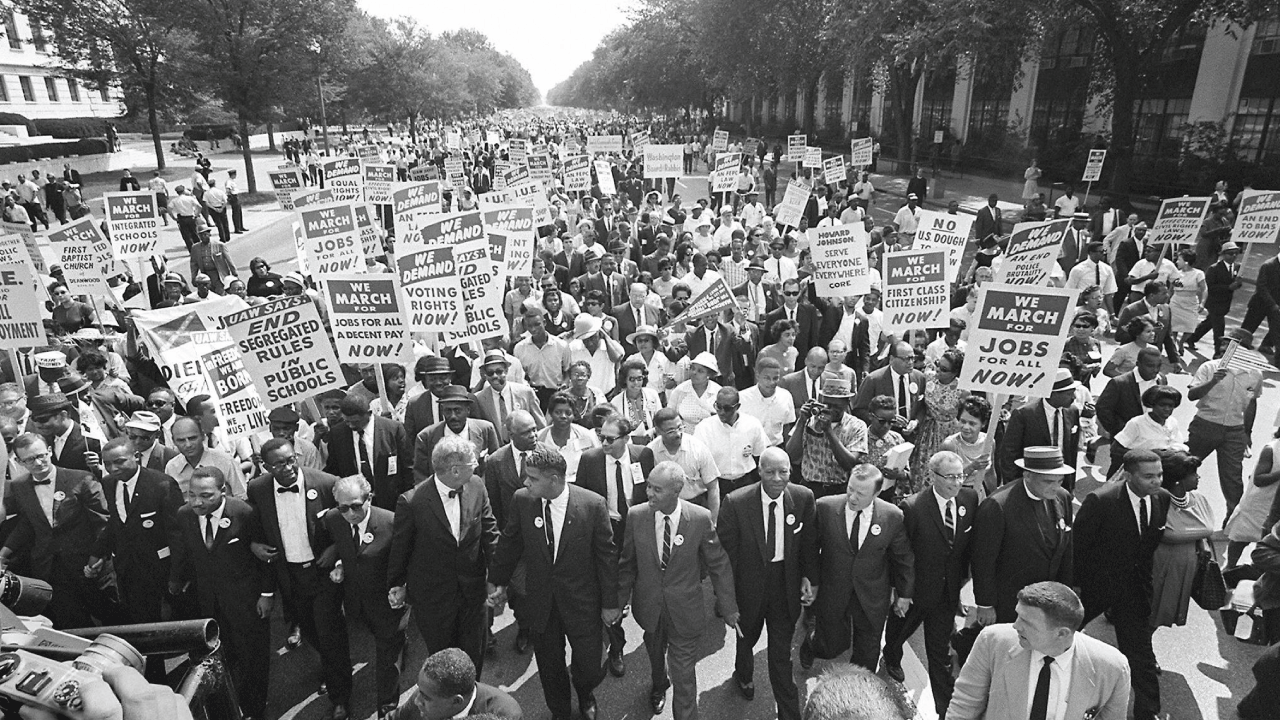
pixel 814 361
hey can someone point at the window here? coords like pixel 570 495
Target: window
pixel 37 35
pixel 51 86
pixel 789 110
pixel 1157 123
pixel 4 89
pixel 28 92
pixel 105 93
pixel 935 114
pixel 834 102
pixel 73 88
pixel 1266 39
pixel 11 30
pixel 1255 133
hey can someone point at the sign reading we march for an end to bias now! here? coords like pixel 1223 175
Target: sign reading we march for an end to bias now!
pixel 1259 218
pixel 285 348
pixel 840 260
pixel 916 294
pixel 1016 339
pixel 364 312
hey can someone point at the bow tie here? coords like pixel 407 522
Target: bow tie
pixel 288 488
pixel 454 493
pixel 46 481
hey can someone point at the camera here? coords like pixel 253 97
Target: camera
pixel 55 686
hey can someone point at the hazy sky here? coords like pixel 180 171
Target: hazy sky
pixel 549 38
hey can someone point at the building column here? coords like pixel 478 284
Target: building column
pixel 877 109
pixel 1022 100
pixel 1221 73
pixel 962 98
pixel 846 105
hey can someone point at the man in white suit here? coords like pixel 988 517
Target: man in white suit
pixel 1039 667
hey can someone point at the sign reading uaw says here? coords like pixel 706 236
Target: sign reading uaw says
pixel 285 349
pixel 915 290
pixel 134 224
pixel 1017 339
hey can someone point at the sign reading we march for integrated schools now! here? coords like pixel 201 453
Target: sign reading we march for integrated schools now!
pixel 1032 252
pixel 285 348
pixel 840 260
pixel 134 224
pixel 941 230
pixel 364 313
pixel 1179 220
pixel 1016 339
pixel 1259 218
pixel 916 294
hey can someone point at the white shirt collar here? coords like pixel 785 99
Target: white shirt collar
pixel 467 710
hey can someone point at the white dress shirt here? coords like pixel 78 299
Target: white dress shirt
pixel 1134 502
pixel 611 466
pixel 217 523
pixel 779 520
pixel 291 514
pixel 129 486
pixel 864 525
pixel 1059 682
pixel 452 508
pixel 1062 430
pixel 734 447
pixel 905 380
pixel 658 517
pixel 943 504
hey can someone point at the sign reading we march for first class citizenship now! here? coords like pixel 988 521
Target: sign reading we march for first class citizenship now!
pixel 916 294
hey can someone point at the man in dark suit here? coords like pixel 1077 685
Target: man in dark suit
pixel 865 556
pixel 803 384
pixel 900 381
pixel 1222 281
pixel 375 448
pixel 842 322
pixel 652 260
pixel 1155 305
pixel 142 508
pixel 455 409
pixel 602 276
pixel 62 516
pixel 423 411
pixel 616 471
pixel 1103 220
pixel 64 437
pixel 634 313
pixel 143 430
pixel 767 530
pixel 503 476
pixel 939 522
pixel 762 298
pixel 1264 304
pixel 716 337
pixel 500 396
pixel 562 534
pixel 1128 251
pixel 359 537
pixel 1022 535
pixel 1051 421
pixel 989 222
pixel 290 502
pixel 447 689
pixel 1121 400
pixel 1117 531
pixel 212 547
pixel 439 564
pixel 803 314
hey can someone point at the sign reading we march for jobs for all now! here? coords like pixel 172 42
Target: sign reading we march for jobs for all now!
pixel 1016 339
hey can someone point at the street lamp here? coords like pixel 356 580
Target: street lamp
pixel 324 119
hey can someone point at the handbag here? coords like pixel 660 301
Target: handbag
pixel 1208 588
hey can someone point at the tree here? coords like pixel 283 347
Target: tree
pixel 145 44
pixel 406 74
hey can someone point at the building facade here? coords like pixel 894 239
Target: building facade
pixel 30 84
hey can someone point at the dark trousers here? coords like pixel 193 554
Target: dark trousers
pixel 939 622
pixel 187 226
pixel 219 219
pixel 36 214
pixel 315 604
pixel 388 638
pixel 463 626
pixel 1230 444
pixel 237 213
pixel 585 637
pixel 246 642
pixel 1131 619
pixel 617 634
pixel 856 630
pixel 782 626
pixel 1255 314
pixel 1216 323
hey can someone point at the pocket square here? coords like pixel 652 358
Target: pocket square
pixel 145 515
pixel 233 540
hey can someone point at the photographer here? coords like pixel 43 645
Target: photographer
pixel 123 694
pixel 827 441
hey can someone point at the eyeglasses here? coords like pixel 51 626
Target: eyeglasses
pixel 791 293
pixel 1082 326
pixel 728 408
pixel 42 419
pixel 32 460
pixel 609 439
pixel 283 462
pixel 157 403
pixel 908 358
pixel 637 378
pixel 954 476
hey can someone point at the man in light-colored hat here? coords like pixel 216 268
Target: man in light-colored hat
pixel 828 441
pixel 50 365
pixel 597 349
pixel 143 430
pixel 501 396
pixel 1051 421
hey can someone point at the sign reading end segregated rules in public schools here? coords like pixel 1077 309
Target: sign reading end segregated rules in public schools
pixel 285 349
pixel 1017 339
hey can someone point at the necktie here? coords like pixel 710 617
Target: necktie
pixel 1040 700
pixel 902 396
pixel 771 532
pixel 520 466
pixel 128 499
pixel 854 531
pixel 666 541
pixel 502 414
pixel 949 521
pixel 355 536
pixel 622 492
pixel 45 481
pixel 208 531
pixel 813 394
pixel 289 488
pixel 1097 274
pixel 1143 518
pixel 1057 424
pixel 548 529
pixel 362 452
pixel 454 493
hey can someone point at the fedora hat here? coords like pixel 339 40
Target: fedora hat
pixel 586 325
pixel 1064 381
pixel 708 361
pixel 1228 246
pixel 834 386
pixel 146 421
pixel 756 264
pixel 48 404
pixel 495 357
pixel 432 364
pixel 72 383
pixel 643 331
pixel 1043 460
pixel 453 393
pixel 283 414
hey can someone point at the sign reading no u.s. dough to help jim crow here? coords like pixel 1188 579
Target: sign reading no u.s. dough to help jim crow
pixel 1016 339
pixel 916 295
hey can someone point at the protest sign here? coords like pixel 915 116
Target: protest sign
pixel 85 256
pixel 725 178
pixel 513 176
pixel 1179 221
pixel 237 402
pixel 493 137
pixel 134 223
pixel 840 260
pixel 639 140
pixel 332 239
pixel 692 189
pixel 285 349
pixel 481 294
pixel 860 152
pixel 369 152
pixel 14 251
pixel 1259 218
pixel 940 230
pixel 364 313
pixel 343 177
pixel 540 168
pixel 813 157
pixel 791 208
pixel 663 161
pixel 500 168
pixel 410 202
pixel 378 180
pixel 796 145
pixel 428 283
pixel 604 176
pixel 604 144
pixel 453 139
pixel 422 173
pixel 833 170
pixel 300 248
pixel 1016 338
pixel 37 245
pixel 179 337
pixel 716 297
pixel 1032 252
pixel 720 140
pixel 577 173
pixel 528 194
pixel 539 148
pixel 454 173
pixel 304 198
pixel 367 227
pixel 1093 167
pixel 518 150
pixel 20 299
pixel 916 293
pixel 515 223
pixel 285 183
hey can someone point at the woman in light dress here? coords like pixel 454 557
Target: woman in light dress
pixel 695 398
pixel 1157 429
pixel 943 398
pixel 784 350
pixel 637 402
pixel 1031 184
pixel 837 351
pixel 1125 357
pixel 1189 292
pixel 570 438
pixel 970 443
pixel 1246 523
pixel 1190 522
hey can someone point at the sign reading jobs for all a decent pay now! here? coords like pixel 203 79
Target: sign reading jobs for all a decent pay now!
pixel 285 348
pixel 916 293
pixel 134 224
pixel 1017 339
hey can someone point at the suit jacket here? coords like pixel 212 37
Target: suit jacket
pixel 141 543
pixel 742 531
pixel 859 357
pixel 880 382
pixel 160 457
pixel 942 565
pixel 995 682
pixel 229 578
pixel 1218 278
pixel 612 295
pixel 1267 284
pixel 771 293
pixel 810 334
pixel 79 522
pixel 581 579
pixel 1096 219
pixel 987 224
pixel 1138 308
pixel 317 493
pixel 440 571
pixel 650 590
pixel 1119 402
pixel 489 701
pixel 523 398
pixel 481 433
pixel 112 405
pixel 799 385
pixel 501 481
pixel 1027 427
pixel 884 562
pixel 591 476
pixel 392 473
pixel 364 569
pixel 732 351
pixel 73 450
pixel 1010 551
pixel 626 322
pixel 1111 559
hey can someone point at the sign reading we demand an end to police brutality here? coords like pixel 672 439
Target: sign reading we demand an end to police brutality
pixel 916 292
pixel 285 349
pixel 1016 339
pixel 1032 252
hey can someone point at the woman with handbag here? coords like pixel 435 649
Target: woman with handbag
pixel 1190 523
pixel 1247 523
